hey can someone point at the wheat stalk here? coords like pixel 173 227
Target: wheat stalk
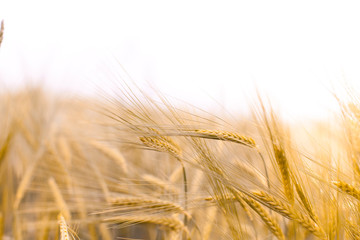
pixel 210 219
pixel 59 198
pixel 104 231
pixel 1 225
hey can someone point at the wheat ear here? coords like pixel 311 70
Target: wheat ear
pixel 176 174
pixel 352 231
pixel 64 235
pixel 161 145
pixel 1 32
pixel 170 222
pixel 347 188
pixel 287 211
pixel 166 144
pixel 25 181
pixel 160 183
pixel 101 181
pixel 223 135
pixel 65 150
pixel 112 154
pixel 105 232
pixel 163 137
pixel 305 201
pixel 267 219
pixel 246 170
pixel 149 203
pixel 283 165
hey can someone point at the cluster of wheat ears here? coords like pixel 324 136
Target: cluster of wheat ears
pixel 128 166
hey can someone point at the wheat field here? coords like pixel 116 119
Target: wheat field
pixel 131 166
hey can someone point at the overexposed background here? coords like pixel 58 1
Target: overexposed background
pixel 208 53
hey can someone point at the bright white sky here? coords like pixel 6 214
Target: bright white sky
pixel 205 52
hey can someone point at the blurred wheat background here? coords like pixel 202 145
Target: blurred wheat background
pixel 196 120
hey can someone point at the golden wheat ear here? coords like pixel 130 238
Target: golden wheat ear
pixel 1 32
pixel 64 235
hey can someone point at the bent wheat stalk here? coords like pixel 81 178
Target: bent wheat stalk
pixel 59 198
